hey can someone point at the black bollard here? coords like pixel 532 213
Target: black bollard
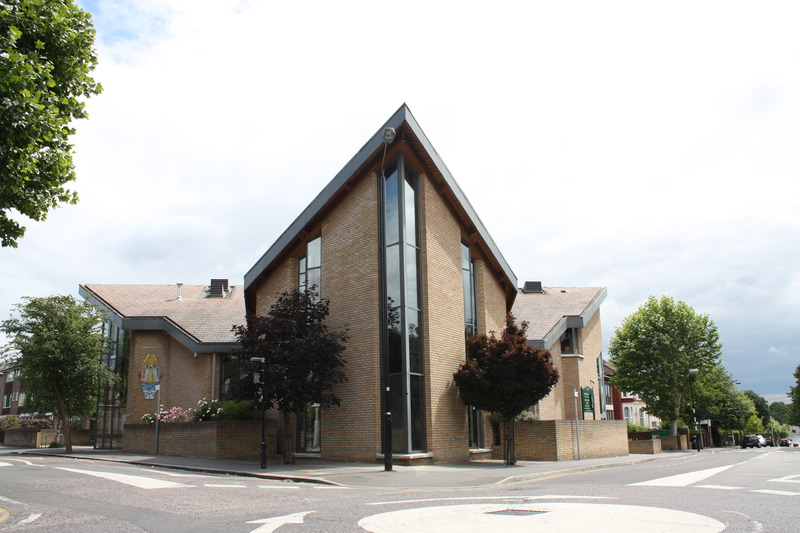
pixel 387 431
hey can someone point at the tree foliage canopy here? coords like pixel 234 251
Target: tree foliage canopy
pixel 794 394
pixel 46 55
pixel 654 349
pixel 505 375
pixel 303 360
pixel 59 346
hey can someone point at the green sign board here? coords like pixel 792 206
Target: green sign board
pixel 587 399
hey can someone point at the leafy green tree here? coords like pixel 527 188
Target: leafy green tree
pixel 754 424
pixel 58 344
pixel 303 360
pixel 794 394
pixel 505 376
pixel 46 55
pixel 780 411
pixel 762 407
pixel 654 349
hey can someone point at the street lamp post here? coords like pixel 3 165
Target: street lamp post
pixel 698 443
pixel 260 382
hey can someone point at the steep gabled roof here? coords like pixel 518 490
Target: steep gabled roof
pixel 408 131
pixel 552 310
pixel 198 322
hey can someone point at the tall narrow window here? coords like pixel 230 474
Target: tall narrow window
pixel 474 416
pixel 311 268
pixel 310 278
pixel 568 341
pixel 403 357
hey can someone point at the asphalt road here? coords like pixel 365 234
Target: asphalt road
pixel 753 490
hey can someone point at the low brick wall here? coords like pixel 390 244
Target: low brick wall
pixel 555 440
pixel 651 446
pixel 220 440
pixel 676 442
pixel 25 437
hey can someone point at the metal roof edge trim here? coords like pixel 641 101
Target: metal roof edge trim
pixel 403 114
pixel 324 196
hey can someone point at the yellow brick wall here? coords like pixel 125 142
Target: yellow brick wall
pixel 184 378
pixel 350 255
pixel 443 297
pixel 491 300
pixel 285 278
pixel 556 440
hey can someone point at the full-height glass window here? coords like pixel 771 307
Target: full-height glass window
pixel 475 416
pixel 112 394
pixel 403 358
pixel 310 277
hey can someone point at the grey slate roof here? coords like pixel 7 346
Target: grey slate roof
pixel 551 312
pixel 401 116
pixel 201 324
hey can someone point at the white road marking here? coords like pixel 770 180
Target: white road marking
pixel 224 486
pixel 136 481
pixel 720 487
pixel 26 462
pixel 541 517
pixel 271 524
pixel 788 479
pixel 484 498
pixel 682 480
pixel 5 464
pixel 172 474
pixel 30 519
pixel 777 492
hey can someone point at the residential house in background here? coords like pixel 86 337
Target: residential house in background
pixel 13 395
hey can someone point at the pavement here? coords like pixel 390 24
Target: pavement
pixel 308 470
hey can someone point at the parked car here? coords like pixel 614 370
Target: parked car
pixel 785 442
pixel 768 440
pixel 753 441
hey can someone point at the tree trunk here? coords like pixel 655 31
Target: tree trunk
pixel 64 414
pixel 509 458
pixel 288 456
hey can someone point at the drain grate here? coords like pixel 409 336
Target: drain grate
pixel 516 512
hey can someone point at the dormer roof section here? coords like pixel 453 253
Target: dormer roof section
pixel 549 311
pixel 410 137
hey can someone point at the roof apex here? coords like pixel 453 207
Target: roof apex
pixel 401 116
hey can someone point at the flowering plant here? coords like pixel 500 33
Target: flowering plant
pixel 173 414
pixel 207 410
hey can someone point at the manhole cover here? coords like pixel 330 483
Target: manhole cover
pixel 516 512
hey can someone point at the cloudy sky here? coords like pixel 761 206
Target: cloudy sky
pixel 651 148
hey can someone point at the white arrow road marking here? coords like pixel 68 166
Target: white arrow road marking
pixel 271 524
pixel 136 481
pixel 26 462
pixel 30 519
pixel 682 480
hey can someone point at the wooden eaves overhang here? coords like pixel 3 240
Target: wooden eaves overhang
pixel 412 142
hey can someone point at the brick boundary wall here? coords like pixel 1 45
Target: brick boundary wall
pixel 220 440
pixel 554 440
